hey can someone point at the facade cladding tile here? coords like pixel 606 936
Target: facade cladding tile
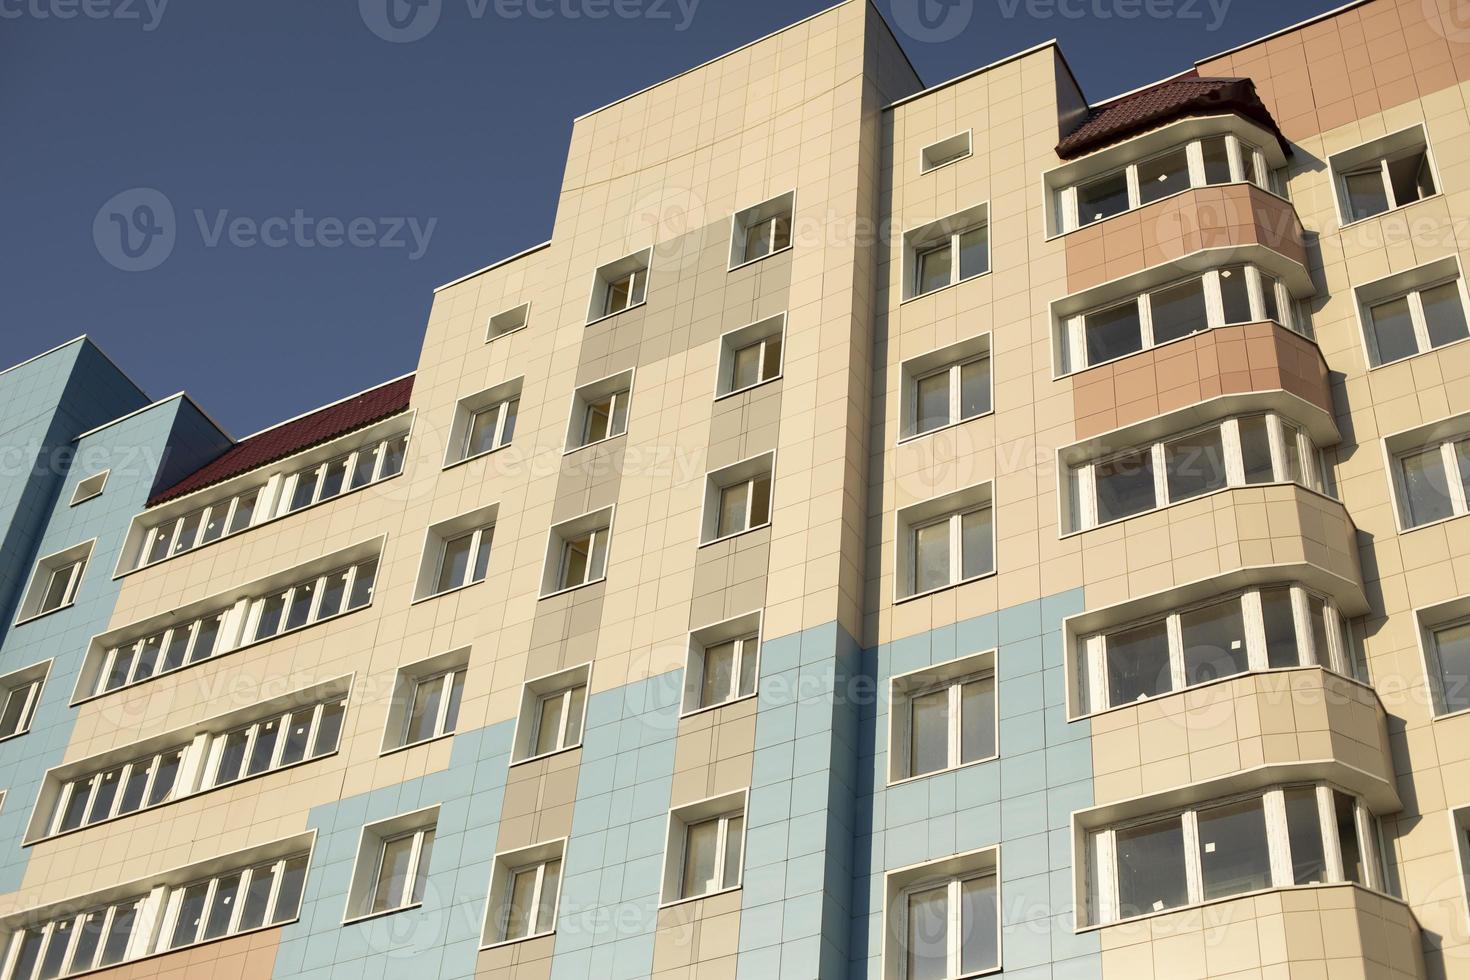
pixel 295 436
pixel 1177 98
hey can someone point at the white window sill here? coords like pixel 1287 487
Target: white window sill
pixel 368 916
pixel 940 772
pixel 759 258
pixel 42 615
pixel 595 442
pixel 926 171
pixel 1410 528
pixel 1202 187
pixel 1087 716
pixel 1075 372
pixel 740 391
pixel 1203 496
pixel 414 745
pixel 1383 214
pixel 734 534
pixel 1423 353
pixel 936 291
pixel 184 948
pixel 544 755
pixel 905 440
pixel 18 734
pixel 507 333
pixel 609 316
pixel 471 459
pixel 572 588
pixel 450 591
pixel 695 898
pixel 519 939
pixel 706 709
pixel 944 588
pixel 1133 920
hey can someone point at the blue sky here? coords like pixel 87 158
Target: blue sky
pixel 327 163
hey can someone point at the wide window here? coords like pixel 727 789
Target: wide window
pixel 946 541
pixel 1385 174
pixel 1221 297
pixel 1234 453
pixel 943 717
pixel 1279 838
pixel 553 712
pixel 523 894
pixel 117 791
pixel 201 526
pixel 738 498
pixel 312 601
pixel 303 733
pixel 1405 323
pixel 343 474
pixel 159 653
pixel 1204 162
pixel 946 387
pixel 1256 630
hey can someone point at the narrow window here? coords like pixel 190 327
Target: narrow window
pixel 712 855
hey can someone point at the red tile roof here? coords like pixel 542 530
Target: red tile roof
pixel 292 437
pixel 1177 98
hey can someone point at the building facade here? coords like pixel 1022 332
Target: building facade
pixel 888 531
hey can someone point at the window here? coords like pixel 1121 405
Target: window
pixel 577 552
pixel 1221 297
pixel 947 251
pixel 553 710
pixel 942 717
pixel 1383 175
pixel 392 868
pixel 945 387
pixel 1277 838
pixel 945 541
pixel 724 663
pixel 750 356
pixel 738 498
pixel 55 581
pixel 342 474
pixel 762 230
pixel 705 849
pixel 484 422
pixel 943 918
pixel 620 286
pixel 1413 312
pixel 945 152
pixel 1233 453
pixel 1205 162
pixel 304 733
pixel 508 322
pixel 1432 483
pixel 161 652
pixel 65 942
pixel 1444 636
pixel 311 601
pixel 203 525
pixel 426 700
pixel 21 692
pixel 91 487
pixel 524 888
pixel 457 553
pixel 600 411
pixel 1259 629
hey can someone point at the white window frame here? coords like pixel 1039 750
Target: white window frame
pixel 314 713
pixel 170 531
pixel 937 234
pixel 953 508
pixel 373 841
pixel 537 691
pixel 745 632
pixel 952 675
pixel 947 151
pixel 504 869
pixel 1450 470
pixel 633 269
pixel 28 683
pixel 955 933
pixel 1104 909
pixel 314 615
pixel 1092 657
pixel 763 215
pixel 1430 621
pixel 406 683
pixel 617 391
pixel 498 438
pixel 507 322
pixel 90 488
pixel 762 333
pixel 73 563
pixel 900 884
pixel 591 526
pixel 1377 154
pixel 747 472
pixel 477 538
pixel 1372 295
pixel 681 820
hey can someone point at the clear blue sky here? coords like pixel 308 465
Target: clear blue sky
pixel 265 108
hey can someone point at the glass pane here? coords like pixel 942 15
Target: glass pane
pixel 455 566
pixel 334 592
pixel 928 934
pixel 1270 298
pixel 1462 462
pixel 934 268
pixel 424 714
pixel 1248 163
pixel 456 694
pixel 122 666
pixel 257 897
pixel 1281 641
pixel 599 554
pixel 329 729
pixel 1233 853
pixel 745 367
pixel 1393 330
pixel 760 501
pixel 271 611
pixel 975 388
pixel 758 240
pixel 599 418
pixel 298 730
pixel 1195 464
pixel 1426 486
pixel 929 732
pixel 265 746
pixel 771 363
pixel 1138 664
pixel 975 252
pixel 932 394
pixel 620 414
pixel 732 509
pixel 1125 486
pixel 178 646
pixel 550 886
pixel 575 703
pixel 1255 449
pixel 734 843
pixel 89 937
pixel 749 658
pixel 699 858
pixel 333 479
pixel 302 598
pixel 1291 445
pixel 1214 642
pixel 305 491
pixel 719 667
pixel 288 896
pixel 1178 312
pixel 188 531
pixel 1304 830
pixel 931 557
pixel 163 780
pixel 388 893
pixel 205 638
pixel 1113 333
pixel 362 584
pixel 979 925
pixel 1444 314
pixel 1102 198
pixel 548 727
pixel 1317 616
pixel 364 467
pixel 76 803
pixel 619 293
pixel 191 911
pixel 117 937
pixel 481 437
pixel 1347 837
pixel 244 511
pixel 1366 194
pixel 148 657
pixel 1409 177
pixel 222 906
pixel 482 554
pixel 421 872
pixel 394 451
pixel 15 703
pixel 1162 176
pixel 55 958
pixel 30 951
pixel 158 547
pixel 1217 160
pixel 575 562
pixel 519 910
pixel 106 792
pixel 976 544
pixel 1151 868
pixel 508 426
pixel 134 785
pixel 1452 657
pixel 977 719
pixel 232 757
pixel 1236 293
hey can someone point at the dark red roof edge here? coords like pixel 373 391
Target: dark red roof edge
pixel 289 438
pixel 1171 100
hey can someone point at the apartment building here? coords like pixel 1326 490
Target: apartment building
pixel 887 531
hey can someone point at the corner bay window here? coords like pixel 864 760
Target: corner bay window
pixel 1280 838
pixel 1246 451
pixel 1260 629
